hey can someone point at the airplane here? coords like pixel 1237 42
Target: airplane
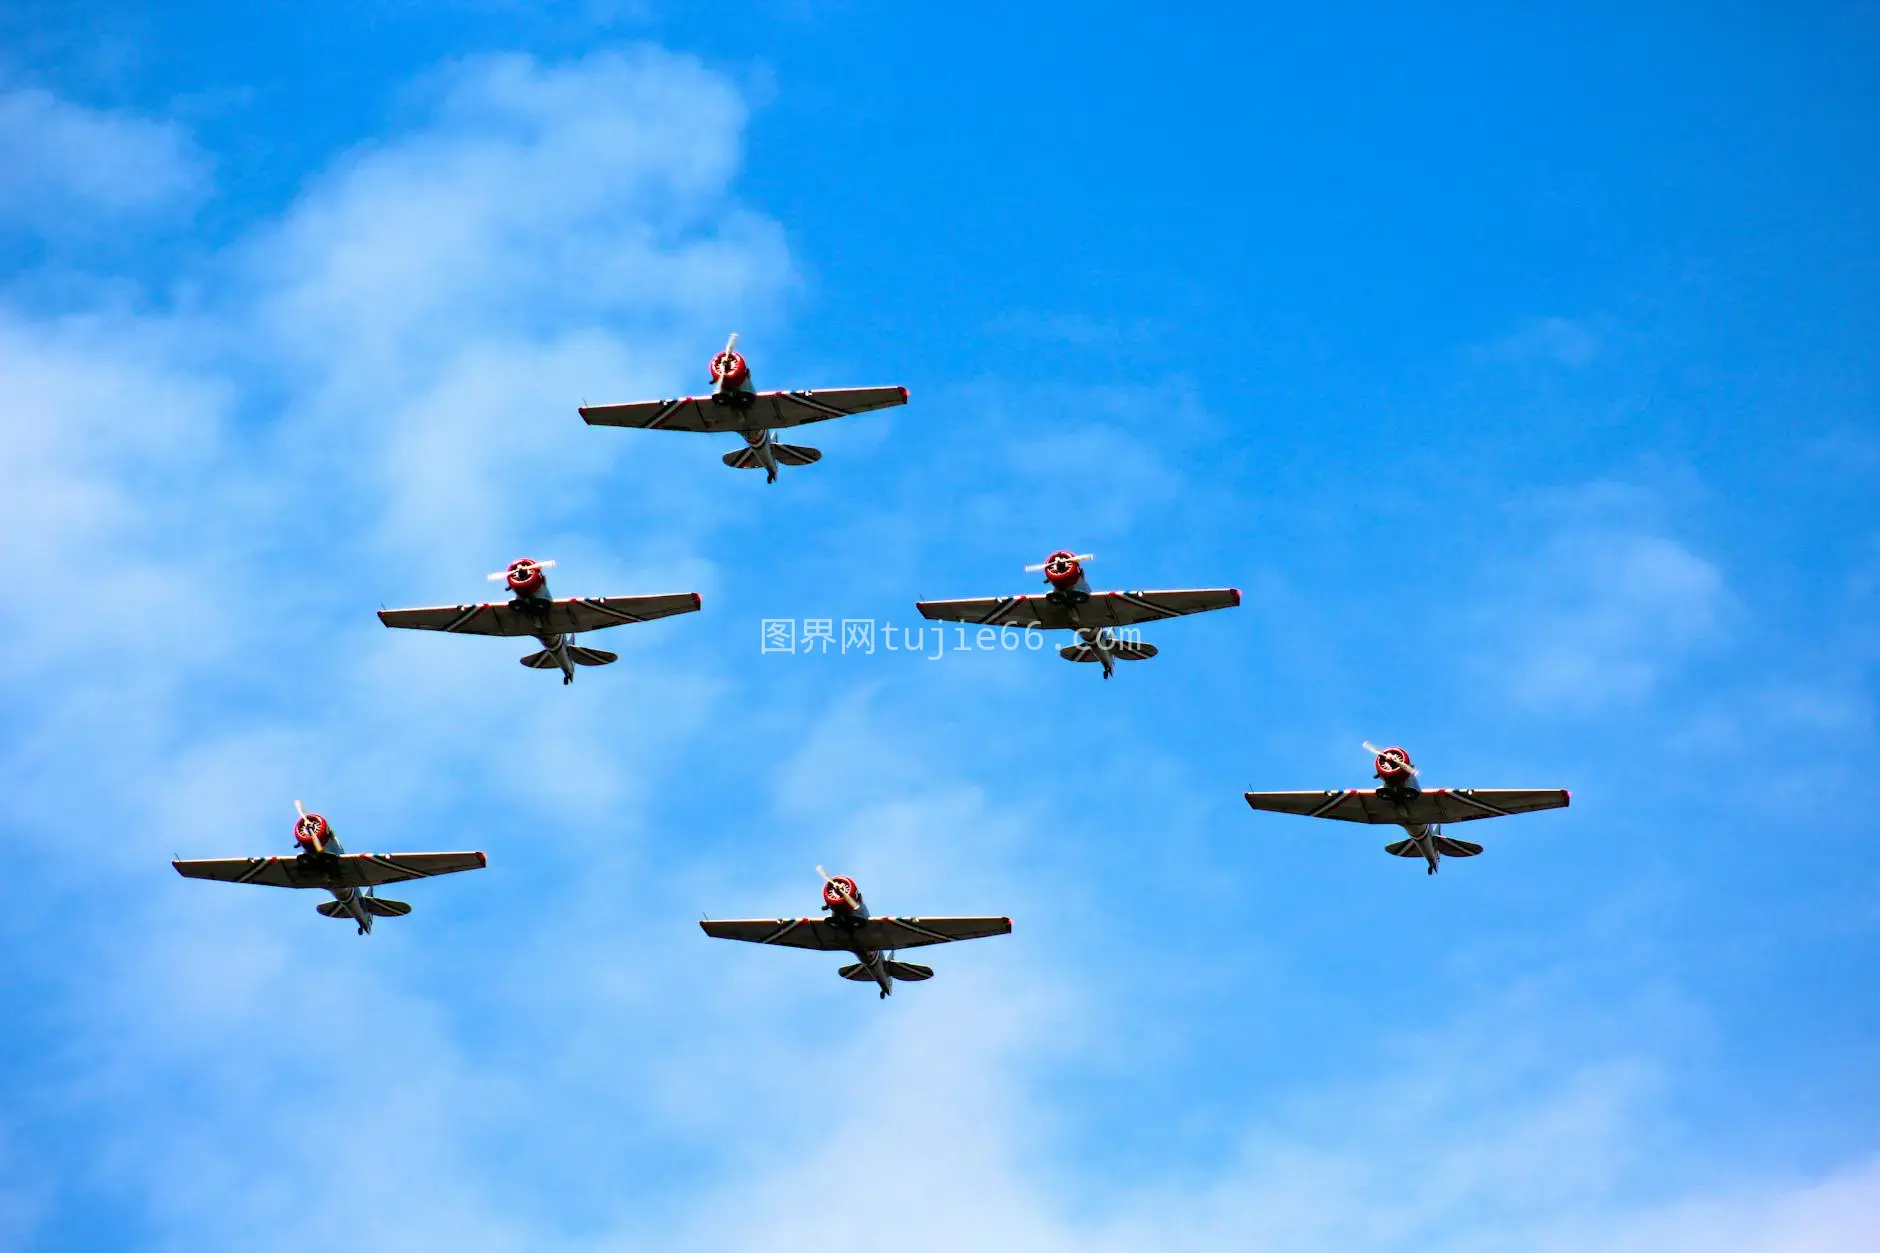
pixel 735 405
pixel 849 928
pixel 1090 615
pixel 324 863
pixel 552 622
pixel 1400 800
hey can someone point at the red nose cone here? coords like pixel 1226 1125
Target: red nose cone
pixel 525 576
pixel 1393 763
pixel 729 367
pixel 311 832
pixel 1062 570
pixel 834 889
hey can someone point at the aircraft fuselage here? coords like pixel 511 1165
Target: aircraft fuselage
pixel 1072 590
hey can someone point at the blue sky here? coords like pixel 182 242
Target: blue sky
pixel 1517 368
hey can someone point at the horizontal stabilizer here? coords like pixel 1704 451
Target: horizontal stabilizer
pixel 1122 650
pixel 1404 848
pixel 382 908
pixel 544 660
pixel 1456 848
pixel 908 972
pixel 857 972
pixel 333 909
pixel 746 458
pixel 795 455
pixel 591 656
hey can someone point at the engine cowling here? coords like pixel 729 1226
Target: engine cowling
pixel 312 832
pixel 1393 766
pixel 526 576
pixel 728 368
pixel 1062 570
pixel 840 893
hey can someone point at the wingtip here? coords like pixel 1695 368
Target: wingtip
pixel 1236 594
pixel 1568 793
pixel 483 860
pixel 904 395
pixel 698 602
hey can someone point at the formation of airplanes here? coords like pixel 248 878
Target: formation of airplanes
pixel 1102 627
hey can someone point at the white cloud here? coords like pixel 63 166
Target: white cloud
pixel 1603 607
pixel 65 162
pixel 386 407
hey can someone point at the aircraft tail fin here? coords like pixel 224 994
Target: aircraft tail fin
pixel 544 660
pixel 1456 848
pixel 591 656
pixel 1122 650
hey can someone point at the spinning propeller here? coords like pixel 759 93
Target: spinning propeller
pixel 728 366
pixel 1080 559
pixel 310 825
pixel 842 888
pixel 497 576
pixel 1395 756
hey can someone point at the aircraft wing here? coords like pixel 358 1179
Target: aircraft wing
pixel 768 411
pixel 1018 611
pixel 874 933
pixel 1435 805
pixel 567 617
pixel 347 870
pixel 1103 609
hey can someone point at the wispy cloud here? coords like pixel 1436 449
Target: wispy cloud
pixel 1551 341
pixel 68 165
pixel 1605 602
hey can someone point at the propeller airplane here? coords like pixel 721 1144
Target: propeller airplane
pixel 324 863
pixel 736 405
pixel 1400 799
pixel 849 928
pixel 531 611
pixel 1090 616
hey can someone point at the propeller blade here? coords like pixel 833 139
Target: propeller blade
pixel 730 345
pixel 299 809
pixel 497 576
pixel 1375 751
pixel 1080 559
pixel 829 878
